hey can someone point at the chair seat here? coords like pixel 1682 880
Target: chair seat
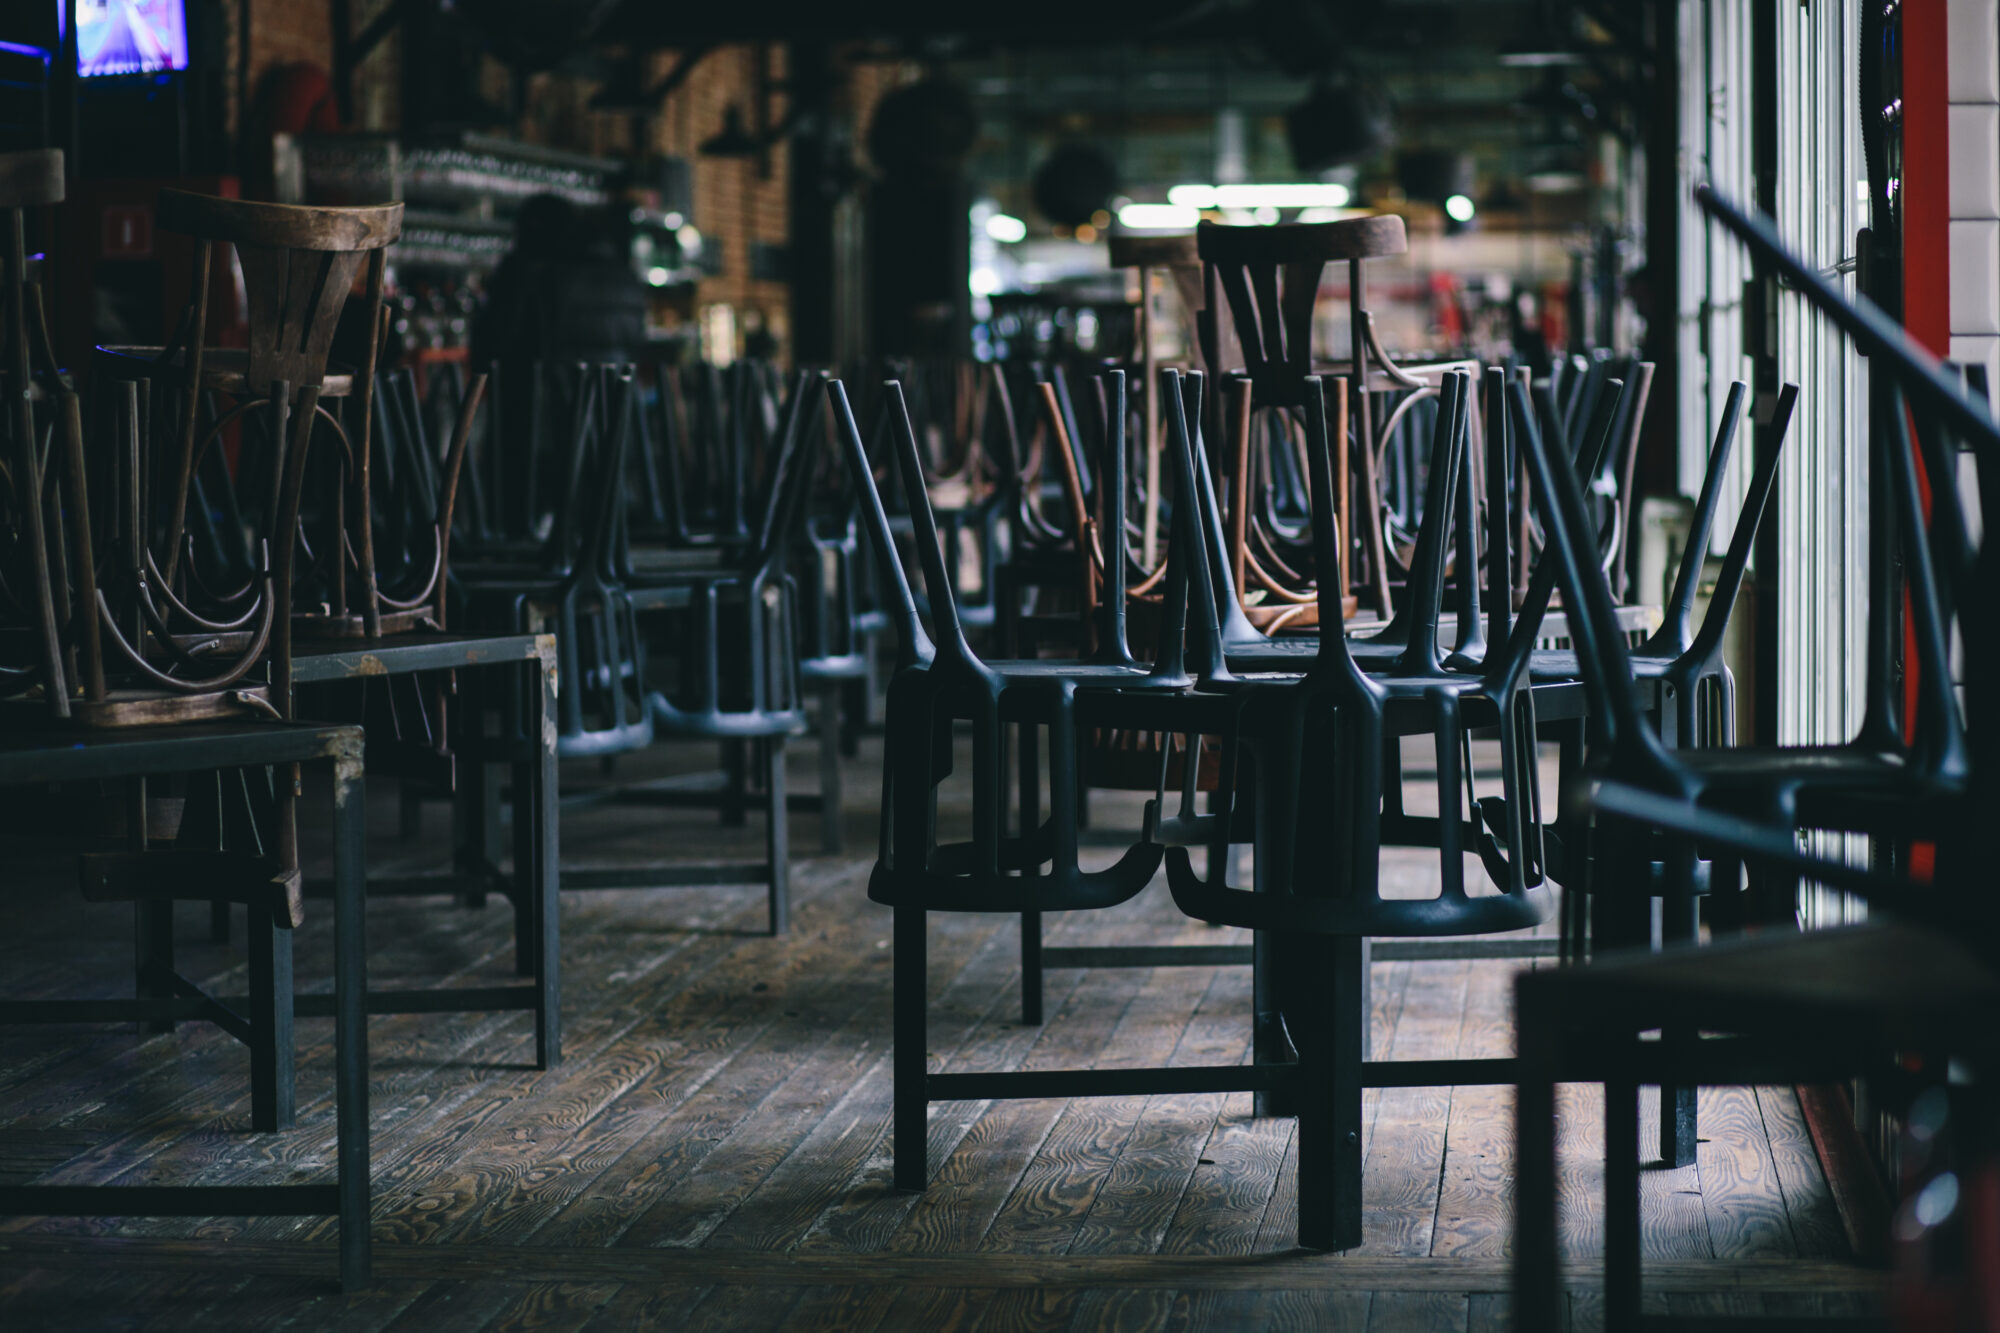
pixel 223 369
pixel 1562 664
pixel 679 559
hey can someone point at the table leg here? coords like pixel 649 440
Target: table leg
pixel 474 806
pixel 273 1098
pixel 1537 1286
pixel 152 920
pixel 1621 1200
pixel 350 991
pixel 540 874
pixel 1334 1007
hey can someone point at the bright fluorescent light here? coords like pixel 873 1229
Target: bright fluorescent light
pixel 1158 217
pixel 1304 195
pixel 984 282
pixel 1002 227
pixel 657 277
pixel 1459 208
pixel 1556 182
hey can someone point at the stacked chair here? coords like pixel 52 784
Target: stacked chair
pixel 149 649
pixel 1782 1007
pixel 1286 736
pixel 697 576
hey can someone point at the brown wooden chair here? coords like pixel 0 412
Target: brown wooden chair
pixel 121 817
pixel 299 267
pixel 27 587
pixel 1269 278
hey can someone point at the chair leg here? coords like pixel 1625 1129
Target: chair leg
pixel 912 1102
pixel 736 784
pixel 777 840
pixel 273 1104
pixel 218 923
pixel 829 767
pixel 853 714
pixel 1031 968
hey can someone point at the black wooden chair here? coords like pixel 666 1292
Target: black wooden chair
pixel 941 681
pixel 574 587
pixel 733 627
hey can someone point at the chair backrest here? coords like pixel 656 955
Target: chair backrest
pixel 931 555
pixel 1756 498
pixel 299 264
pixel 1112 645
pixel 1512 657
pixel 1425 602
pixel 790 475
pixel 1677 622
pixel 914 647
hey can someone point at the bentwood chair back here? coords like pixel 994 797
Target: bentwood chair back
pixel 299 266
pixel 33 179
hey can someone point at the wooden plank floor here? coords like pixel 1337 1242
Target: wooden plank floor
pixel 713 1151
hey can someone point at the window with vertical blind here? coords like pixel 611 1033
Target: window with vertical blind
pixel 1821 502
pixel 1715 107
pixel 1822 508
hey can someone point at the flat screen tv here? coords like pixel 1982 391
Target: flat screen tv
pixel 128 36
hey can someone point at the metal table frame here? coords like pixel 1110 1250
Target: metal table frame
pixel 1820 1006
pixel 74 756
pixel 534 886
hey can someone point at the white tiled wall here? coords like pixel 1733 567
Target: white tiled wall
pixel 1973 74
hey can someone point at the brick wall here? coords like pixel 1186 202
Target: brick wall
pixel 284 31
pixel 738 202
